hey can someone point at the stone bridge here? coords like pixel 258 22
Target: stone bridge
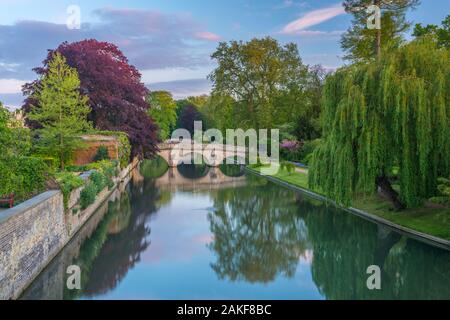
pixel 213 178
pixel 214 154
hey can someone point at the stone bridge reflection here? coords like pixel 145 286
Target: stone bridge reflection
pixel 192 177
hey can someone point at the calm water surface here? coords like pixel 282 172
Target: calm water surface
pixel 194 232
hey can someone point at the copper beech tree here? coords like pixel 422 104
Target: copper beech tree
pixel 114 88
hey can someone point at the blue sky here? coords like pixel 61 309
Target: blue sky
pixel 170 41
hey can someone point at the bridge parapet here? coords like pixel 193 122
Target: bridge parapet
pixel 214 154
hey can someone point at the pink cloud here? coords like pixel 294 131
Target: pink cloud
pixel 315 33
pixel 313 18
pixel 209 36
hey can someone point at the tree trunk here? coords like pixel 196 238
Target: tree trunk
pixel 378 39
pixel 385 187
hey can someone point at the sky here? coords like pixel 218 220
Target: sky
pixel 171 41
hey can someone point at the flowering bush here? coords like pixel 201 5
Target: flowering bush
pixel 290 145
pixel 289 150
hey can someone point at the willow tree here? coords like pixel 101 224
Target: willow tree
pixel 384 115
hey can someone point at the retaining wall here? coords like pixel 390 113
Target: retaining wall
pixel 32 233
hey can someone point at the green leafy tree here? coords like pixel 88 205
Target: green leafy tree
pixel 221 112
pixel 163 112
pixel 199 101
pixel 265 79
pixel 61 110
pixel 440 34
pixel 362 43
pixel 15 140
pixel 5 131
pixel 384 115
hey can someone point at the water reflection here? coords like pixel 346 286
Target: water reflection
pixel 258 234
pixel 200 232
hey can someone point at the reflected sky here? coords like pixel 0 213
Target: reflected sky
pixel 222 237
pixel 177 263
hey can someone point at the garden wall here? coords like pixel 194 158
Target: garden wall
pixel 32 233
pixel 91 143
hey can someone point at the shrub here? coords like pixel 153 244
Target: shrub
pixel 444 192
pixel 8 179
pixel 99 180
pixel 289 167
pixel 68 182
pixel 51 162
pixel 88 194
pixel 23 176
pixel 102 153
pixel 74 168
pixel 307 149
pixel 124 146
pixel 290 150
pixel 108 168
pixel 33 172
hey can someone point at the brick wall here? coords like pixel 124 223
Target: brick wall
pixel 91 143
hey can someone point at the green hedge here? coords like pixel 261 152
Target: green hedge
pixel 102 176
pixel 88 194
pixel 23 176
pixel 68 182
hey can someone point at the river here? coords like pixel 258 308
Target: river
pixel 195 232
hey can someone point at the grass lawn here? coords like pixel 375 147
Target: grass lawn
pixel 430 220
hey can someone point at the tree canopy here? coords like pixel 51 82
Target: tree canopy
pixel 116 93
pixel 266 81
pixel 440 34
pixel 61 111
pixel 362 43
pixel 188 115
pixel 379 116
pixel 163 112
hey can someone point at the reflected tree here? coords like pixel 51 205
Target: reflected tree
pixel 193 171
pixel 153 168
pixel 232 170
pixel 344 246
pixel 258 234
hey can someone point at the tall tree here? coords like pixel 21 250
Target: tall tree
pixel 440 34
pixel 362 43
pixel 379 116
pixel 258 74
pixel 163 112
pixel 198 101
pixel 62 111
pixel 116 93
pixel 5 131
pixel 188 115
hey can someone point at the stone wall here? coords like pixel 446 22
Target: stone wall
pixel 32 234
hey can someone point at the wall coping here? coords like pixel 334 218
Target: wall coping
pixel 27 205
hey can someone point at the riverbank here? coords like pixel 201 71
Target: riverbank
pixel 34 232
pixel 428 224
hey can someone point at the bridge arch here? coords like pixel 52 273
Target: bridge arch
pixel 213 154
pixel 232 170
